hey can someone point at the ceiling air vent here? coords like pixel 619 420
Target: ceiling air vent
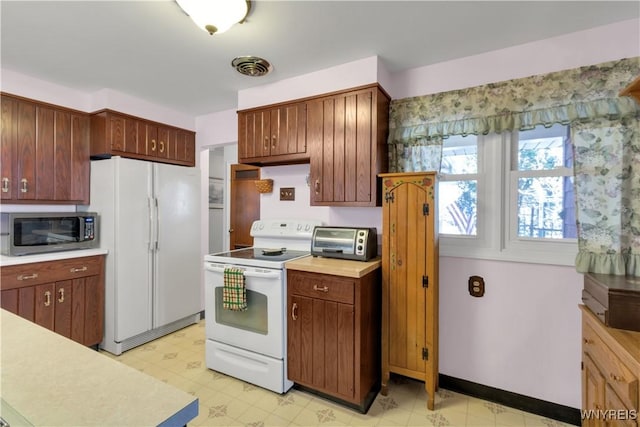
pixel 251 66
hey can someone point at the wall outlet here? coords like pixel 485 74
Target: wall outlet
pixel 287 193
pixel 476 286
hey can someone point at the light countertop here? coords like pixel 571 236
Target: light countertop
pixel 53 256
pixel 53 381
pixel 337 267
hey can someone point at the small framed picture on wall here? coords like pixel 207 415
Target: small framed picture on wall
pixel 216 193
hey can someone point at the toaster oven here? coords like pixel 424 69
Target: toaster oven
pixel 360 244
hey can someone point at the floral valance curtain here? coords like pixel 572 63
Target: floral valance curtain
pixel 605 134
pixel 565 97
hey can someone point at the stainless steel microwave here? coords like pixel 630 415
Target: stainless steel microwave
pixel 37 232
pixel 359 244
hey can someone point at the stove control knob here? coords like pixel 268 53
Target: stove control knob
pixel 299 227
pixel 261 226
pixel 307 227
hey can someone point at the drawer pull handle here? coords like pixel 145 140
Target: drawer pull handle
pixel 320 289
pixel 78 270
pixel 47 298
pixel 294 308
pixel 28 276
pixel 316 186
pixel 616 378
pixel 61 293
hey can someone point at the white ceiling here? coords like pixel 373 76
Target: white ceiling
pixel 153 51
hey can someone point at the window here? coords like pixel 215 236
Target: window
pixel 458 188
pixel 508 196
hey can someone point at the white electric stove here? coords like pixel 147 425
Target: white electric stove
pixel 251 344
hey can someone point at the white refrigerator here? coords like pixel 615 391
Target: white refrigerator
pixel 149 220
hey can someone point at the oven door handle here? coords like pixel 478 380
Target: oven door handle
pixel 264 275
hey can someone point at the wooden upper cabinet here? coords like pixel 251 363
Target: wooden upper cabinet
pixel 118 134
pixel 273 135
pixel 347 137
pixel 45 153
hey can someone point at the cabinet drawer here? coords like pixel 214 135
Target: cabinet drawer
pixel 17 276
pixel 319 286
pixel 616 373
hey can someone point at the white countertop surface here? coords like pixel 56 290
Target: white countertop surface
pixel 53 381
pixel 54 256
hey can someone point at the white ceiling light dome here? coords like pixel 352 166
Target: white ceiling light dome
pixel 215 16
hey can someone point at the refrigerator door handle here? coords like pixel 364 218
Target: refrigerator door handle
pixel 157 223
pixel 150 224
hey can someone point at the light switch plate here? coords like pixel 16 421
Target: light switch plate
pixel 287 193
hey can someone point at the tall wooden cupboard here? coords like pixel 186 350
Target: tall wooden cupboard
pixel 410 279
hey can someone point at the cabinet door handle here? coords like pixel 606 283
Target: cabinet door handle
pixel 616 378
pixel 316 186
pixel 25 185
pixel 61 295
pixel 153 145
pixel 28 276
pixel 78 270
pixel 320 289
pixel 587 341
pixel 294 309
pixel 274 141
pixel 5 185
pixel 162 146
pixel 47 298
pixel 266 142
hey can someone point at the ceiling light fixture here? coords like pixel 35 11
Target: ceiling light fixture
pixel 216 16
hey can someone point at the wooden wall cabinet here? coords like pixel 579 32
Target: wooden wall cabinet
pixel 333 335
pixel 66 296
pixel 410 279
pixel 347 137
pixel 610 373
pixel 118 134
pixel 45 153
pixel 273 135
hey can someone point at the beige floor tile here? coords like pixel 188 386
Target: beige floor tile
pixel 179 360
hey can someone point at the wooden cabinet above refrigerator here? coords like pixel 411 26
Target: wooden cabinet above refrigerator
pixel 118 134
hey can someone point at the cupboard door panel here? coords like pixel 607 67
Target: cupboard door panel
pixel 45 154
pixel 318 332
pixel 63 160
pixel 341 147
pixel 27 303
pixel 9 300
pixel 345 359
pixel 299 339
pixel 94 309
pixel 26 151
pixel 131 138
pixel 330 343
pixel 117 133
pixel 78 310
pixel 315 132
pixel 80 164
pixel 7 147
pixel 364 148
pixel 63 305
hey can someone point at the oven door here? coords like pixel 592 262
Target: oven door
pixel 260 328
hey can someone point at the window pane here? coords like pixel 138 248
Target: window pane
pixel 544 149
pixel 457 207
pixel 460 155
pixel 545 208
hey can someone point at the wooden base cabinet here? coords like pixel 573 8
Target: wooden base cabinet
pixel 65 296
pixel 410 279
pixel 333 335
pixel 610 374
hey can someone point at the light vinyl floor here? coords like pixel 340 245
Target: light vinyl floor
pixel 179 359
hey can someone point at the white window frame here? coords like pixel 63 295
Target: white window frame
pixel 496 237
